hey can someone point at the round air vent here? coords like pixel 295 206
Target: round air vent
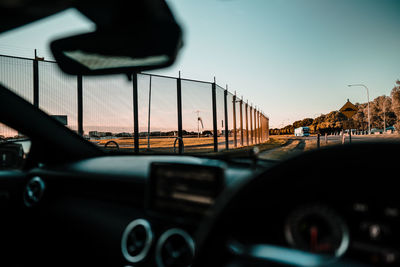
pixel 175 248
pixel 34 191
pixel 136 240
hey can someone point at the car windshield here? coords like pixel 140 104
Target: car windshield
pixel 283 76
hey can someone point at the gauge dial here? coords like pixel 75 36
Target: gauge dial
pixel 317 229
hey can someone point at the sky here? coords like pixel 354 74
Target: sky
pixel 292 58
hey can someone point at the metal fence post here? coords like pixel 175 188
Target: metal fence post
pixel 214 112
pixel 80 104
pixel 35 82
pixel 350 136
pixel 251 124
pixel 259 128
pixel 255 126
pixel 247 123
pixel 135 113
pixel 241 121
pixel 262 128
pixel 149 116
pixel 179 104
pixel 226 118
pixel 234 121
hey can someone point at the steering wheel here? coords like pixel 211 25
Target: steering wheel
pixel 247 222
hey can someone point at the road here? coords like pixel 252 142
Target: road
pixel 297 145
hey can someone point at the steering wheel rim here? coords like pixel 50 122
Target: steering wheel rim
pixel 212 237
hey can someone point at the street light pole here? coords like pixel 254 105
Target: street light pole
pixel 366 88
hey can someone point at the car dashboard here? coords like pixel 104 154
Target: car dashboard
pixel 121 210
pixel 148 210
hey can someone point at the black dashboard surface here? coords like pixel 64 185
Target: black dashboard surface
pixel 87 205
pixel 137 167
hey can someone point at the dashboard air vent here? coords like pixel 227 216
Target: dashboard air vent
pixel 136 240
pixel 34 190
pixel 175 248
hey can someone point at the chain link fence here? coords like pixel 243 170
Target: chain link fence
pixel 147 112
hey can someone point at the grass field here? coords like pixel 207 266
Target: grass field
pixel 191 144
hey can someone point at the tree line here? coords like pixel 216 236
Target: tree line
pixel 384 110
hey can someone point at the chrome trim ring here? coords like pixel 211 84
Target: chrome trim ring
pixel 146 248
pixel 165 236
pixel 313 209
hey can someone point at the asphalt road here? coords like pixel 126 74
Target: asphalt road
pixel 337 139
pixel 297 145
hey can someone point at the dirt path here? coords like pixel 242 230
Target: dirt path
pixel 291 148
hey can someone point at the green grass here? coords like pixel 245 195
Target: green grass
pixel 245 150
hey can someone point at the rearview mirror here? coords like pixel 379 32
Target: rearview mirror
pixel 126 45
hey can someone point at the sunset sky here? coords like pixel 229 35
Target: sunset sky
pixel 293 59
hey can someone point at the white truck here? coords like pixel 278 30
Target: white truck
pixel 302 131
